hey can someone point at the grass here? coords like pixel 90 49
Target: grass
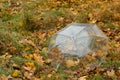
pixel 21 21
pixel 5 69
pixel 97 77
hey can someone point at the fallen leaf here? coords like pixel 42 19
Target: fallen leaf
pixel 21 24
pixel 82 78
pixel 27 48
pixel 49 75
pixel 70 63
pixel 48 60
pixel 38 58
pixel 26 74
pixel 31 43
pixel 111 73
pixel 15 73
pixel 29 66
pixel 30 56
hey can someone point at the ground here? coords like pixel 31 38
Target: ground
pixel 27 25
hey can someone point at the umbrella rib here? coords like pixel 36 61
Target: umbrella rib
pixel 85 47
pixel 81 31
pixel 63 35
pixel 60 42
pixel 90 36
pixel 75 43
pixel 63 47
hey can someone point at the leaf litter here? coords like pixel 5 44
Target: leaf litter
pixel 25 56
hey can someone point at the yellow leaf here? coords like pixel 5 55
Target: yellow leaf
pixel 41 78
pixel 49 75
pixel 38 58
pixel 31 43
pixel 44 50
pixel 21 24
pixel 48 60
pixel 70 63
pixel 111 73
pixel 37 50
pixel 15 73
pixel 93 21
pixel 100 53
pixel 82 78
pixel 31 64
pixel 90 58
pixel 26 74
pixel 27 48
pixel 30 56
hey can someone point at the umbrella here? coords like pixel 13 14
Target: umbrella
pixel 78 39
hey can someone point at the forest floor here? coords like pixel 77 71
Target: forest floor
pixel 27 25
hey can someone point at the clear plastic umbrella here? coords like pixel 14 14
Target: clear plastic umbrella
pixel 79 39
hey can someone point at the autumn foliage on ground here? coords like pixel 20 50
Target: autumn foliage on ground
pixel 27 25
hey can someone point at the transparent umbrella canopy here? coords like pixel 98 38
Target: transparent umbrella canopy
pixel 78 39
